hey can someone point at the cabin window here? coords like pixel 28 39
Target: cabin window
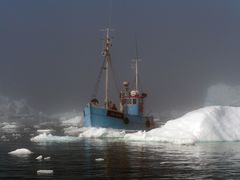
pixel 134 101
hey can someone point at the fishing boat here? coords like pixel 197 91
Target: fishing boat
pixel 130 113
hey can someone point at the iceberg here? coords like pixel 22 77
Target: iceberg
pixel 9 127
pixel 39 157
pixel 101 133
pixel 47 158
pixel 72 131
pixel 75 121
pixel 20 152
pixel 99 159
pixel 47 131
pixel 44 172
pixel 49 138
pixel 214 123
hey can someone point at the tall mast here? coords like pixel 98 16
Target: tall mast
pixel 136 68
pixel 107 59
pixel 136 74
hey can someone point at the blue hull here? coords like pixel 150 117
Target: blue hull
pixel 101 117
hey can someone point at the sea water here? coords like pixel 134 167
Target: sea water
pixel 203 144
pixel 122 160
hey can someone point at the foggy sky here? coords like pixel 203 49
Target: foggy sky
pixel 50 50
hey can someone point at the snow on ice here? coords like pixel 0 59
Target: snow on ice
pixel 39 157
pixel 44 172
pixel 49 138
pixel 22 151
pixel 216 123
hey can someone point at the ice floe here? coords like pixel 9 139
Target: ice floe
pixel 4 138
pixel 99 159
pixel 44 172
pixel 49 138
pixel 216 123
pixel 46 131
pixel 47 158
pixel 20 152
pixel 72 131
pixel 75 121
pixel 39 157
pixel 101 133
pixel 9 127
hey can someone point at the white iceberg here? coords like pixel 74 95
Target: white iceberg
pixel 101 133
pixel 39 157
pixel 20 152
pixel 44 172
pixel 99 159
pixel 49 138
pixel 47 158
pixel 75 121
pixel 215 123
pixel 4 138
pixel 47 131
pixel 9 127
pixel 72 131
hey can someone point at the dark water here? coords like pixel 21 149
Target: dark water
pixel 122 160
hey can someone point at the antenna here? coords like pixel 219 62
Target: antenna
pixel 136 68
pixel 109 13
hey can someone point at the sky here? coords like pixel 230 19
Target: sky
pixel 50 50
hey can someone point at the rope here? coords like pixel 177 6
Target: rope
pixel 96 87
pixel 115 79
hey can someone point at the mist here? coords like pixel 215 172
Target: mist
pixel 50 51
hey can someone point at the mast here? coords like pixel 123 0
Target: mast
pixel 136 74
pixel 136 68
pixel 107 59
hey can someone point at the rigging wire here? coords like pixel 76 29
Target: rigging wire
pixel 115 78
pixel 96 87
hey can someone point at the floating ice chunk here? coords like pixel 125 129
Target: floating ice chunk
pixel 44 172
pixel 99 159
pixel 72 131
pixel 75 121
pixel 39 157
pixel 47 131
pixel 49 138
pixel 47 158
pixel 9 127
pixel 101 133
pixel 216 123
pixel 4 138
pixel 36 126
pixel 138 136
pixel 20 152
pixel 163 162
pixel 27 129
